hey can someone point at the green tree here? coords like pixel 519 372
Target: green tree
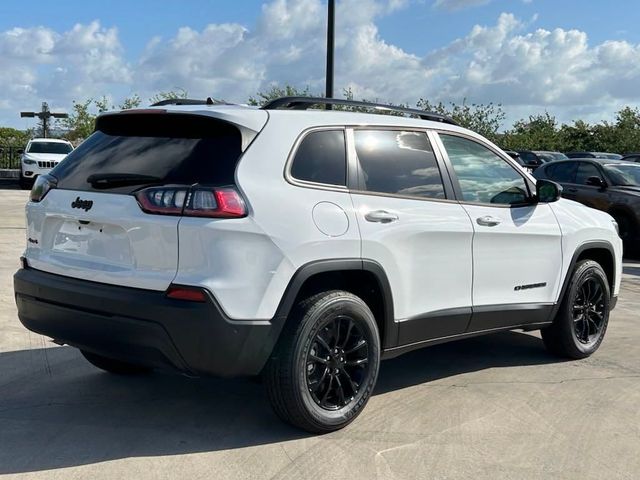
pixel 81 121
pixel 275 91
pixel 13 137
pixel 485 119
pixel 168 95
pixel 578 136
pixel 538 132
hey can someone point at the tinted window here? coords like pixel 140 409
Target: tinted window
pixel 624 174
pixel 176 148
pixel 586 170
pixel 398 162
pixel 321 158
pixel 562 172
pixel 483 175
pixel 50 147
pixel 546 157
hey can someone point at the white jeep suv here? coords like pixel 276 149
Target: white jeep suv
pixel 303 245
pixel 40 156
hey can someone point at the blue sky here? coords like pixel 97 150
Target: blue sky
pixel 573 58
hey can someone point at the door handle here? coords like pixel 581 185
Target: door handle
pixel 488 221
pixel 380 216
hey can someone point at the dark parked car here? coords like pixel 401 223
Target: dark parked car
pixel 605 155
pixel 534 158
pixel 609 185
pixel 631 157
pixel 516 156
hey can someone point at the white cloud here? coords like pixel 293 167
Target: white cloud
pixel 453 5
pixel 509 62
pixel 40 64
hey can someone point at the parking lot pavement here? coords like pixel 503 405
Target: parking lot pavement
pixel 496 407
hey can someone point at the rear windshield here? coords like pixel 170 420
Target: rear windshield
pixel 49 147
pixel 174 148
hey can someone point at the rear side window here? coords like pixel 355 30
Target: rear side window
pixel 585 171
pixel 564 172
pixel 175 148
pixel 398 162
pixel 321 158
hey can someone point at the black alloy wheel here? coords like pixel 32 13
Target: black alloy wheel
pixel 337 363
pixel 588 311
pixel 325 365
pixel 582 318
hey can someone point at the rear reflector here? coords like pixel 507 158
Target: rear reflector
pixel 195 201
pixel 190 294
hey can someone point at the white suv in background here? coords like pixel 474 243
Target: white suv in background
pixel 40 156
pixel 303 245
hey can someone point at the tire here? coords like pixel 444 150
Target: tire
pixel 311 385
pixel 25 183
pixel 574 333
pixel 113 366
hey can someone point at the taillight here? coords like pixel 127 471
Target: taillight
pixel 162 200
pixel 41 187
pixel 215 202
pixel 197 201
pixel 190 294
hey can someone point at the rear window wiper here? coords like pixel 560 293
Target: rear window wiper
pixel 112 180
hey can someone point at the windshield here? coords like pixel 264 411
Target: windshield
pixel 624 175
pixel 559 156
pixel 50 147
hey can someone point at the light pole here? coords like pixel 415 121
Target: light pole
pixel 331 20
pixel 44 115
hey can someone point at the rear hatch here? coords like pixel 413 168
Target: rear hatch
pixel 91 225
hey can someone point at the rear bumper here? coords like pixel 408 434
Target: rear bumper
pixel 142 326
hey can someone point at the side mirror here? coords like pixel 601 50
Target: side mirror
pixel 596 182
pixel 548 191
pixel 20 151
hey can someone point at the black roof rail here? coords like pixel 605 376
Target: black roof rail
pixel 304 103
pixel 187 101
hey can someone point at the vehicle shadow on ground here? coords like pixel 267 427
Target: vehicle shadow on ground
pixel 58 411
pixel 8 184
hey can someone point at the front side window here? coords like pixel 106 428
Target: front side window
pixel 586 170
pixel 398 162
pixel 484 176
pixel 321 158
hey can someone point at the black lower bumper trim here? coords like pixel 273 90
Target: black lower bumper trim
pixel 141 326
